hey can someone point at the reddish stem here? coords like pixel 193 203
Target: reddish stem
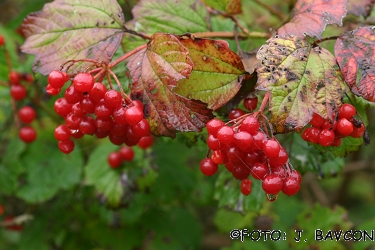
pixel 9 61
pixel 127 98
pixel 16 118
pixel 127 55
pixel 264 102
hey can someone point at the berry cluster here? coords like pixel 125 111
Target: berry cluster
pixel 246 149
pixel 326 133
pixel 89 108
pixel 115 159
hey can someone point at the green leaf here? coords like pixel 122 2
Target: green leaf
pixel 217 73
pixel 155 71
pixel 63 30
pixel 302 80
pixel 228 6
pixel 106 180
pixel 348 145
pixel 48 171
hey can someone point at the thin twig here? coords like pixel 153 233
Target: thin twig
pixel 230 34
pixel 127 98
pixel 127 55
pixel 325 39
pixel 132 32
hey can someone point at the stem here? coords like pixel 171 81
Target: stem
pixel 274 12
pixel 230 34
pixel 132 32
pixel 125 56
pixel 95 70
pixel 244 30
pixel 16 118
pixel 100 75
pixel 9 61
pixel 3 83
pixel 127 98
pixel 264 102
pixel 325 39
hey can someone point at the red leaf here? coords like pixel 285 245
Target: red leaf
pixel 360 7
pixel 155 71
pixel 311 17
pixel 355 52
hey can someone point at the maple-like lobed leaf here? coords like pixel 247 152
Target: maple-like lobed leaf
pixel 360 7
pixel 302 80
pixel 230 7
pixel 217 73
pixel 355 54
pixel 155 71
pixel 70 29
pixel 311 17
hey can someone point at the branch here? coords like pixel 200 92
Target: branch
pixel 127 55
pixel 230 34
pixel 325 39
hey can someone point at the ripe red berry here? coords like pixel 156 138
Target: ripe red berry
pixel 27 134
pixel 336 142
pixel 62 107
pixel 213 143
pixel 116 140
pixel 235 154
pixel 344 127
pixel 250 124
pixel 2 40
pixel 235 113
pixel 66 146
pixel 347 111
pixel 213 126
pixel 138 103
pixel 26 114
pixel 219 157
pixel 72 95
pixel 243 140
pixel 279 160
pixel 290 186
pixel 250 103
pixel 83 82
pixel 97 92
pixel 253 157
pixel 57 79
pixel 271 148
pixel 133 115
pixel 141 129
pixel 296 175
pixel 52 91
pixel 87 125
pixel 14 77
pixel 146 142
pixel 225 135
pixel 18 92
pixel 208 167
pixel 272 184
pixel 88 105
pixel 258 139
pixel 246 186
pixel 240 172
pixel 119 115
pixel 114 159
pixel 72 121
pixel 311 135
pixel 317 121
pixel 127 153
pixel 102 110
pixel 259 170
pixel 112 98
pixel 62 133
pixel 358 132
pixel 326 137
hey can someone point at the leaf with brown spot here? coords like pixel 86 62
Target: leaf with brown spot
pixel 217 73
pixel 155 71
pixel 230 7
pixel 355 54
pixel 302 80
pixel 310 17
pixel 70 29
pixel 360 7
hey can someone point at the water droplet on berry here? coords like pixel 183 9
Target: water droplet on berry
pixel 271 197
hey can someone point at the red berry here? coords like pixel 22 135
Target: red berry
pixel 66 146
pixel 311 135
pixel 104 124
pixel 235 154
pixel 296 175
pixel 344 127
pixel 290 186
pixel 208 167
pixel 246 186
pixel 250 103
pixel 62 133
pixel 213 126
pixel 2 40
pixel 26 114
pixel 127 153
pixel 18 92
pixel 259 170
pixel 252 157
pixel 336 142
pixel 225 135
pixel 358 132
pixel 83 82
pixel 250 124
pixel 72 95
pixel 27 134
pixel 229 166
pixel 213 143
pixel 57 79
pixel 146 142
pixel 116 140
pixel 87 125
pixel 235 113
pixel 279 160
pixel 138 103
pixel 272 184
pixel 88 105
pixel 112 98
pixel 258 139
pixel 119 115
pixel 72 121
pixel 133 115
pixel 326 137
pixel 76 134
pixel 219 157
pixel 52 91
pixel 240 171
pixel 101 134
pixel 317 121
pixel 14 77
pixel 97 92
pixel 243 140
pixel 114 159
pixel 271 148
pixel 102 110
pixel 118 129
pixel 62 107
pixel 77 111
pixel 141 129
pixel 347 111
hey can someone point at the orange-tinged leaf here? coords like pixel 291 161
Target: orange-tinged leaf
pixel 230 7
pixel 355 52
pixel 302 80
pixel 311 17
pixel 70 29
pixel 155 72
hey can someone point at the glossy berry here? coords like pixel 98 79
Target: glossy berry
pixel 259 170
pixel 119 115
pixel 26 114
pixel 141 129
pixel 52 91
pixel 14 77
pixel 317 121
pixel 225 135
pixel 213 143
pixel 62 107
pixel 311 135
pixel 358 132
pixel 326 137
pixel 290 186
pixel 253 157
pixel 88 105
pixel 272 184
pixel 246 186
pixel 336 142
pixel 146 142
pixel 18 92
pixel 87 125
pixel 279 160
pixel 112 98
pixel 235 154
pixel 258 140
pixel 347 111
pixel 104 124
pixel 250 124
pixel 208 167
pixel 102 110
pixel 250 103
pixel 72 121
pixel 114 159
pixel 62 133
pixel 72 95
pixel 57 79
pixel 240 172
pixel 66 146
pixel 83 82
pixel 127 153
pixel 27 134
pixel 213 126
pixel 243 140
pixel 271 148
pixel 97 92
pixel 219 157
pixel 235 113
pixel 133 115
pixel 344 127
